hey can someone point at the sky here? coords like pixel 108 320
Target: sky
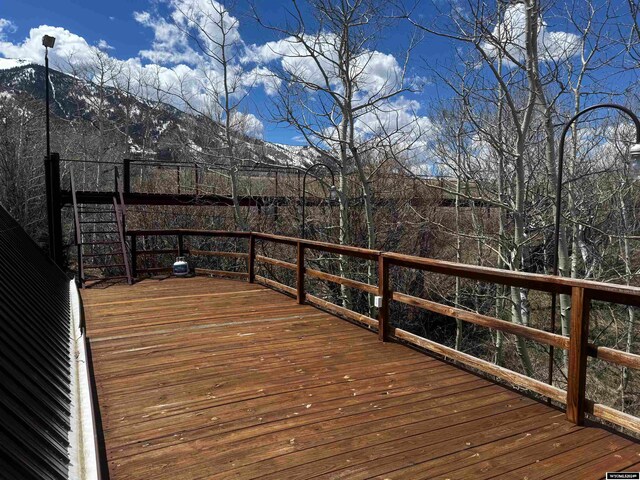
pixel 136 32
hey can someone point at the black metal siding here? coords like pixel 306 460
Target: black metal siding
pixel 34 359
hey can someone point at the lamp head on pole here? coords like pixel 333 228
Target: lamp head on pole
pixel 48 41
pixel 333 192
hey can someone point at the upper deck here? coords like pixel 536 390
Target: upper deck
pixel 209 378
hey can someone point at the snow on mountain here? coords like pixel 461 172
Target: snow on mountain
pixel 9 63
pixel 166 127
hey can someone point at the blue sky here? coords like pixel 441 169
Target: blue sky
pixel 115 23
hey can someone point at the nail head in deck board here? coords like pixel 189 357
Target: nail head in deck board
pixel 261 389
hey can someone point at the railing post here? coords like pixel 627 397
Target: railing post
pixel 578 342
pixel 251 258
pixel 180 245
pixel 126 175
pixel 383 292
pixel 134 256
pixel 300 274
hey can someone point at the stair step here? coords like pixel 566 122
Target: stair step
pixel 102 232
pixel 101 254
pixel 98 221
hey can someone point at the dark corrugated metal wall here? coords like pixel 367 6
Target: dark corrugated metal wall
pixel 34 359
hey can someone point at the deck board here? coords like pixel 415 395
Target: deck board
pixel 220 379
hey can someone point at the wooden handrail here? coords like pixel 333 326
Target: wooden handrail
pixel 606 292
pixel 275 262
pixel 189 232
pixel 324 246
pixel 535 334
pixel 582 293
pixel 347 282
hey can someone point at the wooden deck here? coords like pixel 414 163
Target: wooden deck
pixel 221 379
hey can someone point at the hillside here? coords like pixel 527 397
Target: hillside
pixel 152 129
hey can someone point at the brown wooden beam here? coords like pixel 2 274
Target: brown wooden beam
pixel 578 344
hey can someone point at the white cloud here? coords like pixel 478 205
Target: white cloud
pixel 394 121
pixel 6 26
pixel 104 45
pixel 377 73
pixel 170 45
pixel 188 76
pixel 177 82
pixel 68 45
pixel 510 35
pixel 205 22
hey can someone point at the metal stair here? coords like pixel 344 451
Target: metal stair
pixel 102 250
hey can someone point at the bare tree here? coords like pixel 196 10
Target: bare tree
pixel 330 95
pixel 217 88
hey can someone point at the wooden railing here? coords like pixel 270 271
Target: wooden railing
pixel 582 293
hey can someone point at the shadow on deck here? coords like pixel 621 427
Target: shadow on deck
pixel 220 379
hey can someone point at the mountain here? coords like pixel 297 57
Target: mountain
pixel 152 129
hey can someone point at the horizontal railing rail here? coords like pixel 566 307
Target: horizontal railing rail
pixel 582 293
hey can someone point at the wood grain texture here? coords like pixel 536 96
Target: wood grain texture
pixel 220 379
pixel 300 270
pixel 578 344
pixel 384 292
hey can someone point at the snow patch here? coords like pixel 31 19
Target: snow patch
pixel 8 63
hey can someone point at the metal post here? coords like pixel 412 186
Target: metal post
pixel 49 174
pixel 54 220
pixel 46 81
pixel 126 172
pixel 180 245
pixel 134 256
pixel 558 212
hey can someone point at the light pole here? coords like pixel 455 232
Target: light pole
pixel 49 170
pixel 634 154
pixel 48 42
pixel 333 192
